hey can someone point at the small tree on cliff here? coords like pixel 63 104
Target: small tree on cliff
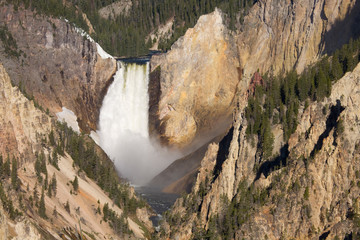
pixel 75 184
pixel 42 209
pixel 14 175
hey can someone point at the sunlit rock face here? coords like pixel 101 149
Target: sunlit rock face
pixel 201 72
pixel 198 82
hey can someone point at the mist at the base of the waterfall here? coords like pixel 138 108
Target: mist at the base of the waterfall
pixel 138 159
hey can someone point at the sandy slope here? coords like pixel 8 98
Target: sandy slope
pixel 86 200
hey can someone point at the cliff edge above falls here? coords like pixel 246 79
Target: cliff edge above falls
pixel 57 64
pixel 199 76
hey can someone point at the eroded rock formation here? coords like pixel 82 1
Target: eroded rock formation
pixel 200 73
pixel 198 82
pixel 57 65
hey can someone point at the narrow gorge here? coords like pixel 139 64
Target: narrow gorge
pixel 241 122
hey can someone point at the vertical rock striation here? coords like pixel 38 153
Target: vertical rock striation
pixel 22 126
pixel 198 81
pixel 57 65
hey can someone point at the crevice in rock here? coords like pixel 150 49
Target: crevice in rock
pixel 223 153
pixel 324 235
pixel 349 236
pixel 269 166
pixel 331 123
pixel 154 90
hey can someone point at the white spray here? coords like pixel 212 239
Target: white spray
pixel 123 126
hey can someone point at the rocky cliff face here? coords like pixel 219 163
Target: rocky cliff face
pixel 280 35
pixel 198 81
pixel 22 126
pixel 57 65
pixel 313 194
pixel 200 73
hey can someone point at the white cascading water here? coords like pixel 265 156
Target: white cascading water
pixel 123 126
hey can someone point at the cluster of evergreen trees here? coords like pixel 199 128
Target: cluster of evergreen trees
pixel 97 167
pixel 9 171
pixel 50 186
pixel 118 223
pixel 9 43
pixel 278 101
pixel 125 35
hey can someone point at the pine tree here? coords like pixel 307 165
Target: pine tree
pixel 14 175
pixel 67 206
pixel 54 184
pixel 43 163
pixel 37 167
pixel 55 213
pixel 336 69
pixel 35 193
pixel 52 138
pixel 42 209
pixel 49 192
pixel 55 159
pixel 46 182
pixel 75 184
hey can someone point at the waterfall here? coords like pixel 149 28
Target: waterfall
pixel 123 125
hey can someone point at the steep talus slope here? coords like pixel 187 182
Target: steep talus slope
pixel 313 195
pixel 57 65
pixel 26 132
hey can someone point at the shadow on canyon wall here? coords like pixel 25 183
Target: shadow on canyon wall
pixel 343 30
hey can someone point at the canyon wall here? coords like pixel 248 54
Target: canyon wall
pixel 57 64
pixel 277 36
pixel 198 81
pixel 204 69
pixel 313 194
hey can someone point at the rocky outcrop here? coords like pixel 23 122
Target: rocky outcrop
pixel 22 125
pixel 313 195
pixel 115 9
pixel 57 65
pixel 198 82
